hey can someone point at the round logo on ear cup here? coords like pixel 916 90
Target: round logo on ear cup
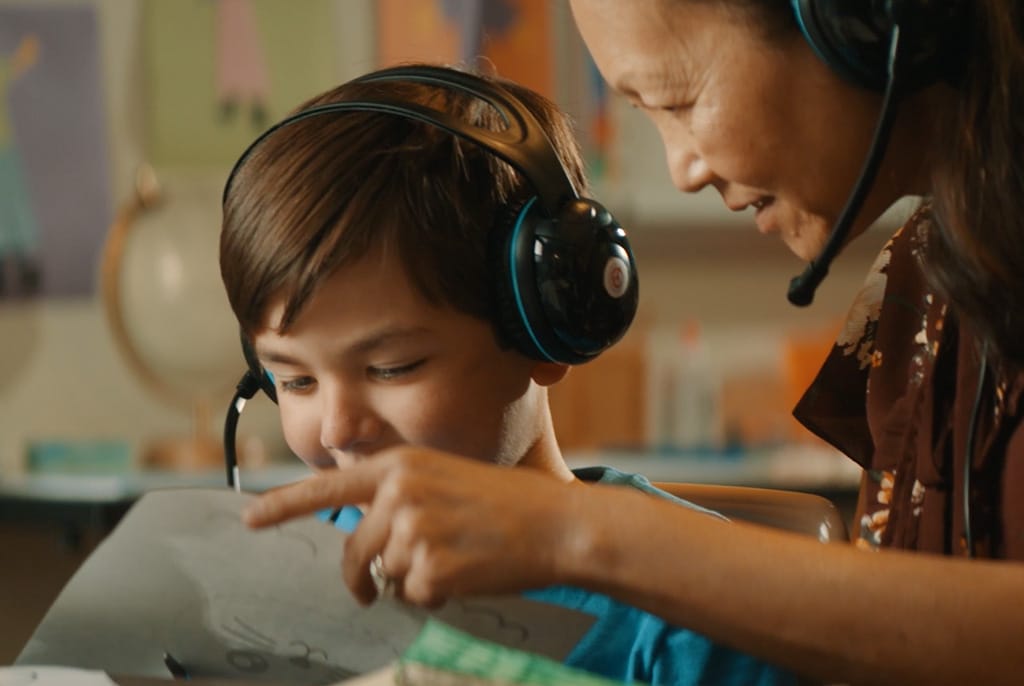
pixel 616 276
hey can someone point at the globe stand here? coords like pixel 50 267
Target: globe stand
pixel 198 452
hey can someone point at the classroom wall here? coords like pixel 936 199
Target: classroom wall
pixel 73 385
pixel 61 377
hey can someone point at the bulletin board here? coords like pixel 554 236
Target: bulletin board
pixel 527 41
pixel 512 37
pixel 54 181
pixel 218 72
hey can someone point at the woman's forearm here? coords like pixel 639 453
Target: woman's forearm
pixel 827 610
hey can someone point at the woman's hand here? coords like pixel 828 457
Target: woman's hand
pixel 444 525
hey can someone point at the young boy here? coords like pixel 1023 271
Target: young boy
pixel 356 255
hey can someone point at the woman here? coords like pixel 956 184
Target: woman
pixel 927 375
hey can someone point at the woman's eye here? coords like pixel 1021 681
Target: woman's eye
pixel 388 373
pixel 677 107
pixel 297 385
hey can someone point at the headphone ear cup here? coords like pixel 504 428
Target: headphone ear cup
pixel 256 370
pixel 862 62
pixel 566 289
pixel 852 37
pixel 517 313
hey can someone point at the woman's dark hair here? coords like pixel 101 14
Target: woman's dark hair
pixel 975 255
pixel 331 189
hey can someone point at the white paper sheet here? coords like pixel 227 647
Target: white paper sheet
pixel 181 574
pixel 52 676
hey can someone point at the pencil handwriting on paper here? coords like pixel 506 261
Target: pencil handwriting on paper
pixel 267 622
pixel 490 614
pixel 240 629
pixel 303 660
pixel 260 650
pixel 182 575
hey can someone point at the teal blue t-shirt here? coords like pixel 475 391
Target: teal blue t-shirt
pixel 630 645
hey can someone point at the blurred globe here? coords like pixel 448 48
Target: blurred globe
pixel 173 302
pixel 166 304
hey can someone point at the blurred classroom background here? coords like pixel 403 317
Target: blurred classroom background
pixel 95 378
pixel 118 353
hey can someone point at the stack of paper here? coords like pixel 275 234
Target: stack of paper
pixel 182 576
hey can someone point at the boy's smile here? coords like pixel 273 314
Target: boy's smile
pixel 369 363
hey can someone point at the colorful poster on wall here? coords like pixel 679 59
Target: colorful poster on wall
pixel 517 39
pixel 515 36
pixel 54 181
pixel 218 72
pixel 598 135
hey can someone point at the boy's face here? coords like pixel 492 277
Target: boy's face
pixel 369 364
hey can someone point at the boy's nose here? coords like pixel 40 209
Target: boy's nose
pixel 350 436
pixel 348 426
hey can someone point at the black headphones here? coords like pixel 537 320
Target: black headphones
pixel 891 46
pixel 565 276
pixel 853 37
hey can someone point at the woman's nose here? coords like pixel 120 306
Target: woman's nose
pixel 690 173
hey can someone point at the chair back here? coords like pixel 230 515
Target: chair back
pixel 804 513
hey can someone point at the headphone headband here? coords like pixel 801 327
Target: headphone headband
pixel 523 144
pixel 892 46
pixel 853 37
pixel 563 276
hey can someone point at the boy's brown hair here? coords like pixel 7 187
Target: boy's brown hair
pixel 325 191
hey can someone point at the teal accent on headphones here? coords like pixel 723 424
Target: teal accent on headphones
pixel 550 256
pixel 853 37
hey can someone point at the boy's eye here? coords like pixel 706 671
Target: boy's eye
pixel 388 373
pixel 297 385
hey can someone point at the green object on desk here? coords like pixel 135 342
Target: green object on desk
pixel 80 457
pixel 446 649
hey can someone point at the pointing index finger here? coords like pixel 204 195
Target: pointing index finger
pixel 337 488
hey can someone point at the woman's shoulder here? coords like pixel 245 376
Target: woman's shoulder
pixel 891 318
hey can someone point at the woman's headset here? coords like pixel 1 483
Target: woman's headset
pixel 891 46
pixel 854 38
pixel 565 276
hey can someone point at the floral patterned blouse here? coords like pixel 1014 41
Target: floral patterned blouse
pixel 897 394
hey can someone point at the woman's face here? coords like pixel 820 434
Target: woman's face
pixel 766 123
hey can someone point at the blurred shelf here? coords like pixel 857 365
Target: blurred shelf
pixel 86 507
pixel 793 467
pixel 789 466
pixel 106 488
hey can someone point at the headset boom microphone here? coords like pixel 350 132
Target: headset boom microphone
pixel 803 286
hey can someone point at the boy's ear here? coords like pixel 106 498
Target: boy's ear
pixel 549 373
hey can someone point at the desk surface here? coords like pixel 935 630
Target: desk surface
pixel 108 488
pixel 787 467
pixel 83 677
